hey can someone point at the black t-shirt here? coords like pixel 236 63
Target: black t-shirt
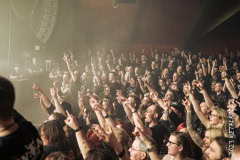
pixel 24 143
pixel 65 106
pixel 160 134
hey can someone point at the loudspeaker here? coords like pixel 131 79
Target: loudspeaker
pixel 48 20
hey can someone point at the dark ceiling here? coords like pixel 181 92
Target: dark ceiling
pixel 95 23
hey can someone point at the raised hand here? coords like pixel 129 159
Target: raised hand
pixel 71 121
pixel 140 134
pixel 187 104
pixel 154 96
pixel 104 135
pixel 94 103
pixel 53 92
pixel 188 87
pixel 35 86
pixel 199 84
pixel 36 95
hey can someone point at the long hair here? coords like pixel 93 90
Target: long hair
pixel 224 124
pixel 184 140
pixel 53 132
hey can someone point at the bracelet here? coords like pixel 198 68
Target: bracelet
pixel 78 129
pixel 164 112
pixel 151 149
pixel 135 111
pixel 107 116
pixel 120 155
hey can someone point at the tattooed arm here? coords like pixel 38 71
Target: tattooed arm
pixel 194 135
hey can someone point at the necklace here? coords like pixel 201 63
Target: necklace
pixel 4 129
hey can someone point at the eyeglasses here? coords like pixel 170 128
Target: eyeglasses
pixel 213 115
pixel 172 143
pixel 135 149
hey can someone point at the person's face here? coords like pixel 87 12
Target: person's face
pixel 214 118
pixel 175 77
pixel 213 85
pixel 143 58
pixel 169 95
pixel 179 69
pixel 200 72
pixel 111 77
pixel 105 103
pixel 153 64
pixel 135 152
pixel 66 77
pixel 137 60
pixel 187 68
pixel 130 69
pixel 170 65
pixel 173 147
pixel 160 82
pixel 84 76
pixel 218 87
pixel 80 101
pixel 238 76
pixel 104 77
pixel 198 66
pixel 213 152
pixel 204 108
pixel 145 101
pixel 136 70
pixel 132 82
pixel 206 139
pixel 44 139
pixel 149 114
pixel 165 72
pixel 107 91
pixel 157 57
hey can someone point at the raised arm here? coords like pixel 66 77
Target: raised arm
pixel 107 135
pixel 72 122
pixel 229 86
pixel 194 135
pixel 206 96
pixel 44 98
pixel 196 107
pixel 66 59
pixel 97 108
pixel 58 106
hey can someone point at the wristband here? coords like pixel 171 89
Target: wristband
pixel 78 129
pixel 107 116
pixel 120 155
pixel 135 111
pixel 151 149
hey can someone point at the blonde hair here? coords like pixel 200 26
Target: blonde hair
pixel 214 132
pixel 224 117
pixel 123 137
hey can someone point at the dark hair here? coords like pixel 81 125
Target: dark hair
pixel 53 132
pixel 7 98
pixel 57 156
pixel 60 118
pixel 159 111
pixel 98 154
pixel 223 143
pixel 184 140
